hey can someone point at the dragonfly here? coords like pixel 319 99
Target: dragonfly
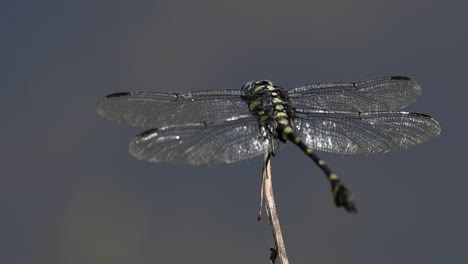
pixel 216 127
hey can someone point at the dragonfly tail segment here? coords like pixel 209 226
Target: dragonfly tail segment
pixel 341 194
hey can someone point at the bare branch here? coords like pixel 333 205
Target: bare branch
pixel 280 249
pixel 259 215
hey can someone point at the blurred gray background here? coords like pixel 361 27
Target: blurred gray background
pixel 71 193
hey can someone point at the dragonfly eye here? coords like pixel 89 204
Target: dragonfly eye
pixel 246 87
pixel 253 84
pixel 263 82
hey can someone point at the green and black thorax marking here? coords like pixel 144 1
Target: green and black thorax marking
pixel 270 105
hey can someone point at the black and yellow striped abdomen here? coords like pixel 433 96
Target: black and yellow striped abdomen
pixel 341 194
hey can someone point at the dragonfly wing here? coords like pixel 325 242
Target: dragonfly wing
pixel 203 143
pixel 379 94
pixel 354 133
pixel 153 109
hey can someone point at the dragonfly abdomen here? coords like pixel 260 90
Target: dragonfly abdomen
pixel 341 194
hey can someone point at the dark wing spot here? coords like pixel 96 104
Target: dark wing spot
pixel 400 78
pixel 118 95
pixel 148 132
pixel 420 115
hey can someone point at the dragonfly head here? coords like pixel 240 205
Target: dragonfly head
pixel 250 86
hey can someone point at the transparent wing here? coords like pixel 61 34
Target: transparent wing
pixel 152 109
pixel 379 94
pixel 203 143
pixel 353 133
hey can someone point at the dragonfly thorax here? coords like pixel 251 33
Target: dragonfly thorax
pixel 269 104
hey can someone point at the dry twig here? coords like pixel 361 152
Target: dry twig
pixel 270 207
